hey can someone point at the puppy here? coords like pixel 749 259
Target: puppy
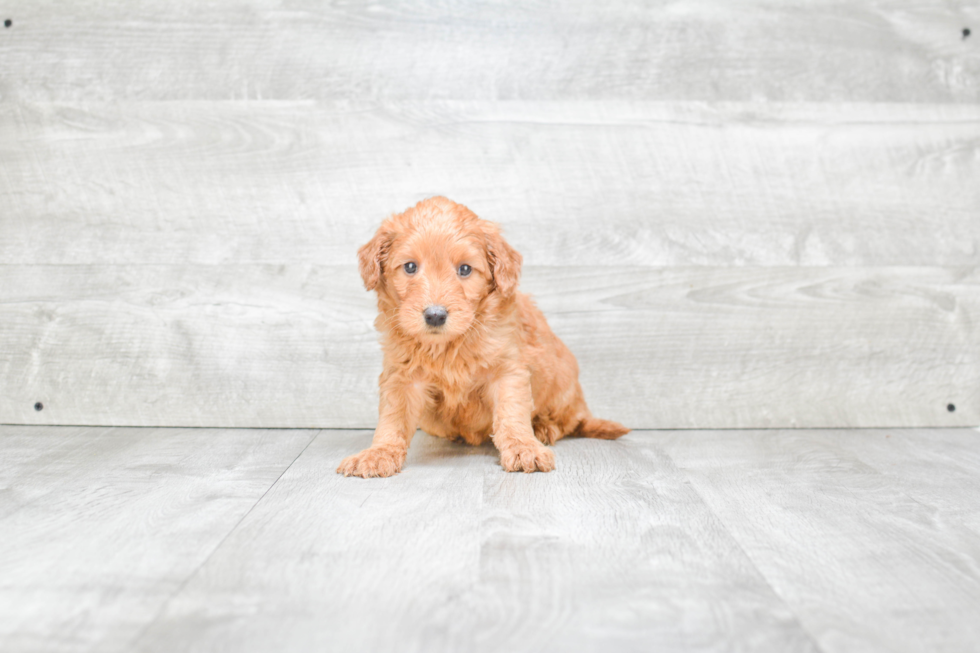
pixel 466 356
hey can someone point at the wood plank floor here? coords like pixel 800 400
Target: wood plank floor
pixel 117 539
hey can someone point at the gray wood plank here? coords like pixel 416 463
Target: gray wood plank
pixel 294 346
pixel 610 183
pixel 710 50
pixel 868 536
pixel 101 526
pixel 787 347
pixel 941 470
pixel 336 563
pixel 286 346
pixel 612 549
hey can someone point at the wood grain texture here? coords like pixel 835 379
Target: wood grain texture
pixel 611 183
pixel 658 348
pixel 326 564
pixel 144 540
pixel 454 554
pixel 711 50
pixel 877 520
pixel 101 526
pixel 183 188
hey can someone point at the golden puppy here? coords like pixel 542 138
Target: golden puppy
pixel 466 356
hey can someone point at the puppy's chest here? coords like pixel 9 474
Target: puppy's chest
pixel 458 397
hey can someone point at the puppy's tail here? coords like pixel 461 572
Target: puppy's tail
pixel 603 429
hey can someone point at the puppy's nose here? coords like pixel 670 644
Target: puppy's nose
pixel 435 315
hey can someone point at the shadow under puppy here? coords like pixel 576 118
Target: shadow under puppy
pixel 466 356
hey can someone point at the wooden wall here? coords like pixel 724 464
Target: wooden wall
pixel 737 214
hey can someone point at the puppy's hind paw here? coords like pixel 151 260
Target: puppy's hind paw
pixel 547 432
pixel 374 461
pixel 529 457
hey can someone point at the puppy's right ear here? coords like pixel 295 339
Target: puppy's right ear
pixel 372 256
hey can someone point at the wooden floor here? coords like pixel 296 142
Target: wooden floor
pixel 118 539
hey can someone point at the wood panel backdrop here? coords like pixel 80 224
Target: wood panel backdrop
pixel 737 214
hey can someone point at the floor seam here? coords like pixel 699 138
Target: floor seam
pixel 180 588
pixel 100 431
pixel 731 534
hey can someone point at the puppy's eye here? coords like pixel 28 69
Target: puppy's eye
pixel 410 267
pixel 464 270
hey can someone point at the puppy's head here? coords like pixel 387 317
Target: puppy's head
pixel 434 268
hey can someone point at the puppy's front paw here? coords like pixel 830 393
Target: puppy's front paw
pixel 527 457
pixel 374 461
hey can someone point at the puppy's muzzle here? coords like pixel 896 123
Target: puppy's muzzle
pixel 435 316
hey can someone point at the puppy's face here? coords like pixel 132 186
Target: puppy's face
pixel 434 265
pixel 438 280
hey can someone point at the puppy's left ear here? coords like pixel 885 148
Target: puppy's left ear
pixel 505 262
pixel 372 256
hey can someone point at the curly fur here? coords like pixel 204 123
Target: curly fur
pixel 494 370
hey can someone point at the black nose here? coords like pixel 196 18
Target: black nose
pixel 435 315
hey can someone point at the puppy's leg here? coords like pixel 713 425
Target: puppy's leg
pixel 512 433
pixel 401 407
